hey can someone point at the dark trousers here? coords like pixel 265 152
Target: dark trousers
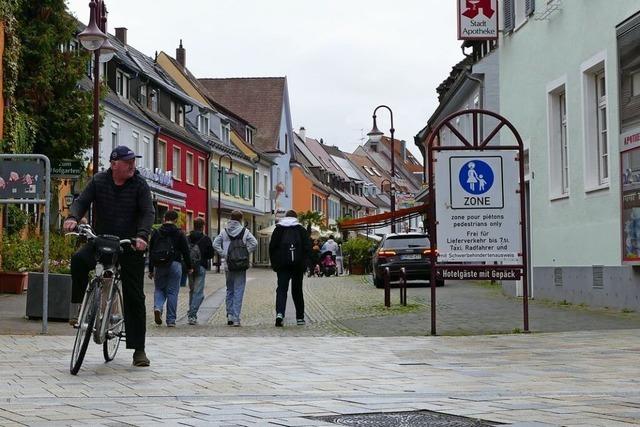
pixel 132 275
pixel 295 277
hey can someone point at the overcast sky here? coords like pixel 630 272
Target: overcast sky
pixel 342 58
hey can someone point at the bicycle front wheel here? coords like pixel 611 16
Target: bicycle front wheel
pixel 85 328
pixel 115 324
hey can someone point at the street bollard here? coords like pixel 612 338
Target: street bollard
pixel 387 287
pixel 403 286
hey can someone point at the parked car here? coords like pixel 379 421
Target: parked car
pixel 408 250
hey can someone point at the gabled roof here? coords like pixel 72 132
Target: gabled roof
pixel 326 162
pixel 411 164
pixel 259 100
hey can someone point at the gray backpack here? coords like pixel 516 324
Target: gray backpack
pixel 237 253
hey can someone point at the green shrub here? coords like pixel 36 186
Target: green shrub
pixel 28 254
pixel 358 249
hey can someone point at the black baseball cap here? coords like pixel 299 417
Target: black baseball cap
pixel 123 153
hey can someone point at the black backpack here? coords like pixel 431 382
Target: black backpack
pixel 237 253
pixel 194 251
pixel 291 248
pixel 162 252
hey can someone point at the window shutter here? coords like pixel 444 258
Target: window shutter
pixel 250 195
pixel 509 16
pixel 241 180
pixel 529 7
pixel 214 177
pixel 223 180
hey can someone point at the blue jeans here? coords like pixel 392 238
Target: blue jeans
pixel 196 290
pixel 167 284
pixel 236 281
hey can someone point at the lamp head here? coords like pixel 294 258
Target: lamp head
pixel 375 135
pixel 92 38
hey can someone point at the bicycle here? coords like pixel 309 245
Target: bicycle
pixel 102 310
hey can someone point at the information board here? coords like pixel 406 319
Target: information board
pixel 478 206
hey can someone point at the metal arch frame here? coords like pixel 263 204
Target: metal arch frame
pixel 47 202
pixel 479 144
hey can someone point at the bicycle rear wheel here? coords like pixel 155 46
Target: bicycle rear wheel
pixel 85 328
pixel 115 325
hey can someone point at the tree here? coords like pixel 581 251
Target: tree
pixel 49 113
pixel 310 218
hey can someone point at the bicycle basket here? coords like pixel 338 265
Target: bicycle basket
pixel 107 248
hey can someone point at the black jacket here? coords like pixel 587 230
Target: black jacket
pixel 205 244
pixel 124 211
pixel 180 245
pixel 275 243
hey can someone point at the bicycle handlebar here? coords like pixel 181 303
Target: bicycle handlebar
pixel 85 230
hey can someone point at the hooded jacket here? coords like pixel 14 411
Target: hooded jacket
pixel 232 229
pixel 204 243
pixel 180 245
pixel 276 242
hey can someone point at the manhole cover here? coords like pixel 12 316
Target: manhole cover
pixel 411 418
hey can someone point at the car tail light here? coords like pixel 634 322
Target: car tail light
pixel 386 253
pixel 428 251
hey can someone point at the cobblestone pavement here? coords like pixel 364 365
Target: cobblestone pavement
pixel 350 305
pixel 353 356
pixel 571 379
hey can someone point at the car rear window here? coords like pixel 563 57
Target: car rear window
pixel 398 242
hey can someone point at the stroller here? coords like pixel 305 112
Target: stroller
pixel 327 264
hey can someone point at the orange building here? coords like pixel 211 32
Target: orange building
pixel 308 194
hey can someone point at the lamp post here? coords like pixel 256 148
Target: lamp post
pixel 94 39
pixel 376 136
pixel 219 188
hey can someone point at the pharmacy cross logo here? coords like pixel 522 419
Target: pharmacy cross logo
pixel 474 6
pixel 476 177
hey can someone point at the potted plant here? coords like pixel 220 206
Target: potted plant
pixel 18 256
pixel 359 252
pixel 59 281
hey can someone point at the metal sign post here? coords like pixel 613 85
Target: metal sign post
pixel 477 207
pixel 26 179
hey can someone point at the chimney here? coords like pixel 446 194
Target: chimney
pixel 303 134
pixel 403 148
pixel 321 141
pixel 181 55
pixel 121 34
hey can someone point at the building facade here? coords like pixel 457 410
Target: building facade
pixel 575 106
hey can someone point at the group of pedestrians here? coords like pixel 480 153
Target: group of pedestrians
pixel 122 206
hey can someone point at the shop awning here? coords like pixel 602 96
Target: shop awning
pixel 230 206
pixel 383 219
pixel 168 195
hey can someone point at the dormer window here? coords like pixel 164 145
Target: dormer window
pixel 225 133
pixel 154 100
pixel 122 84
pixel 248 135
pixel 142 95
pixel 180 117
pixel 203 123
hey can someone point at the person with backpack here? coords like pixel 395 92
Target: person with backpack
pixel 234 244
pixel 200 251
pixel 289 249
pixel 167 247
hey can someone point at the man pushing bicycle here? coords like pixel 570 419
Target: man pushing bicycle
pixel 123 208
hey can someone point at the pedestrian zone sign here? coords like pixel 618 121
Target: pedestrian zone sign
pixel 478 206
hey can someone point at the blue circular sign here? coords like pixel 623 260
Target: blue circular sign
pixel 476 177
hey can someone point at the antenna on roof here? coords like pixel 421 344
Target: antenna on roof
pixel 156 57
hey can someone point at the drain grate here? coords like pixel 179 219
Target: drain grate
pixel 408 418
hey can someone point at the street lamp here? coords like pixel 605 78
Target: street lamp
pixel 219 188
pixel 94 39
pixel 375 135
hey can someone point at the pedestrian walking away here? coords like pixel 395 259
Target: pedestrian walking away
pixel 289 250
pixel 234 244
pixel 122 207
pixel 201 252
pixel 168 248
